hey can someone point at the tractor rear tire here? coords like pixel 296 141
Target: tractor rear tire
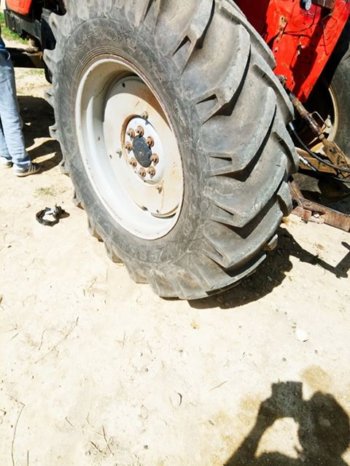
pixel 340 91
pixel 207 78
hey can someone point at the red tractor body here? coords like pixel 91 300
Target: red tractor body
pixel 301 39
pixel 22 7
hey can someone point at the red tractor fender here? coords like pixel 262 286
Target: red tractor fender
pixel 302 40
pixel 22 7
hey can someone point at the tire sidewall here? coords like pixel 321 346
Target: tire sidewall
pixel 119 37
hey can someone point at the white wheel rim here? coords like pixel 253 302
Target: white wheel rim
pixel 138 180
pixel 334 123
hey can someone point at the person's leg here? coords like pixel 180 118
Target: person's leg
pixel 5 157
pixel 10 119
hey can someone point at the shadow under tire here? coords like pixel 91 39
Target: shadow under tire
pixel 217 117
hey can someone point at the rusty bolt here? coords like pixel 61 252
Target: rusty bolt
pixel 155 159
pixel 131 133
pixel 128 146
pixel 151 171
pixel 150 141
pixel 142 172
pixel 133 162
pixel 144 116
pixel 140 131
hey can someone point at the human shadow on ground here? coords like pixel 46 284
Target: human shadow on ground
pixel 272 273
pixel 323 429
pixel 37 117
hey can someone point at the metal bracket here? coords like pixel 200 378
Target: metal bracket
pixel 26 58
pixel 335 161
pixel 313 212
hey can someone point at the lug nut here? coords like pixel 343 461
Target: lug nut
pixel 142 172
pixel 154 159
pixel 140 131
pixel 151 171
pixel 144 116
pixel 133 162
pixel 128 146
pixel 150 141
pixel 131 133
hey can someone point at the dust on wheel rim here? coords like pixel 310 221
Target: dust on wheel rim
pixel 128 148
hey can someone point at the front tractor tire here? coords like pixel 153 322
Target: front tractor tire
pixel 172 128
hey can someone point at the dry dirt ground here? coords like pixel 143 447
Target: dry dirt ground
pixel 96 370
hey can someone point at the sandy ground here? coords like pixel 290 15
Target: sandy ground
pixel 96 370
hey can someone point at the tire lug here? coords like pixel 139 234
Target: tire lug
pixel 133 162
pixel 155 159
pixel 150 141
pixel 128 146
pixel 140 131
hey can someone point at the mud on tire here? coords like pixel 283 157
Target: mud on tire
pixel 212 76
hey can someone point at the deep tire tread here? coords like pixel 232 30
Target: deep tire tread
pixel 247 167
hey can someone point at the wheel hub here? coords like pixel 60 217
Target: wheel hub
pixel 142 151
pixel 139 145
pixel 129 149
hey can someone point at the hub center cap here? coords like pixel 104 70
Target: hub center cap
pixel 142 151
pixel 141 141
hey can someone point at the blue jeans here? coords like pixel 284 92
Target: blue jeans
pixel 12 146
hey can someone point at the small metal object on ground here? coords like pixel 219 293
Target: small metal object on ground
pixel 51 216
pixel 311 211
